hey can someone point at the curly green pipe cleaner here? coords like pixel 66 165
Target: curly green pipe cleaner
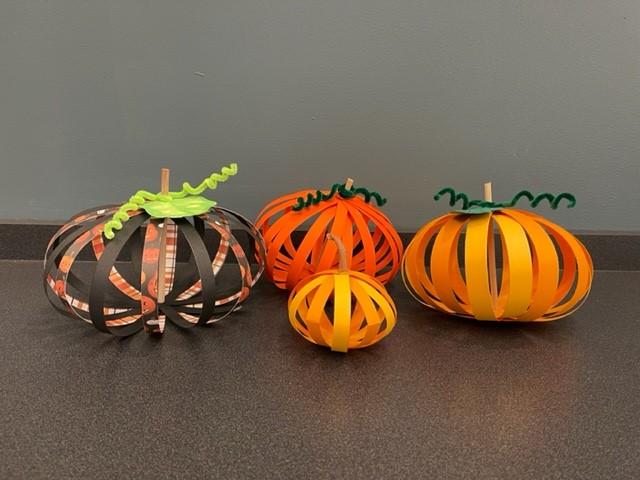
pixel 143 198
pixel 343 191
pixel 534 200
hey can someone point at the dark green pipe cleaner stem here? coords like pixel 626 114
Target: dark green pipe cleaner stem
pixel 534 201
pixel 340 189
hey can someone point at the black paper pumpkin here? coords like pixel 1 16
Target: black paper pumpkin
pixel 119 292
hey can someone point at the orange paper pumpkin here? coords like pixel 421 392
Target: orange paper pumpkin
pixel 372 244
pixel 341 309
pixel 546 271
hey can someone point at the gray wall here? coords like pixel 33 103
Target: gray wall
pixel 405 96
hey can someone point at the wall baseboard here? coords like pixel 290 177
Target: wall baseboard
pixel 610 251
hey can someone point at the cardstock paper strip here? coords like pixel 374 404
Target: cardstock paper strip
pixel 216 264
pixel 379 249
pixel 341 312
pixel 68 251
pixel 218 222
pixel 149 278
pixel 414 274
pixel 80 218
pixel 445 249
pixel 203 266
pixel 545 267
pixel 59 283
pixel 92 222
pixel 309 303
pixel 244 268
pixel 389 237
pixel 283 227
pixel 100 282
pixel 115 316
pixel 257 243
pixel 475 264
pixel 363 331
pixel 366 294
pixel 518 271
pixel 316 234
pixel 577 256
pixel 116 278
pixel 285 202
pixel 171 248
pixel 577 267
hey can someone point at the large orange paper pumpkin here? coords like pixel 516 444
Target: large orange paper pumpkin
pixel 450 265
pixel 372 244
pixel 341 309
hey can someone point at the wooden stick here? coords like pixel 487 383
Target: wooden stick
pixel 488 195
pixel 348 183
pixel 342 253
pixel 164 180
pixel 162 260
pixel 491 259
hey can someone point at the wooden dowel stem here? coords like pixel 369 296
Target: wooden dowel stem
pixel 342 253
pixel 488 194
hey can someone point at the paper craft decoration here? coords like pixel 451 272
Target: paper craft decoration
pixel 546 272
pixel 341 309
pixel 372 243
pixel 147 285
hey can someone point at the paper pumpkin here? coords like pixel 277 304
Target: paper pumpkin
pixel 546 272
pixel 135 281
pixel 372 244
pixel 341 308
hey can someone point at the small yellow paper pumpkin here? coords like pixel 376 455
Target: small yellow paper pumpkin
pixel 342 308
pixel 546 272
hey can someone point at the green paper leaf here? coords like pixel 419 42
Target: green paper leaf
pixel 478 210
pixel 178 207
